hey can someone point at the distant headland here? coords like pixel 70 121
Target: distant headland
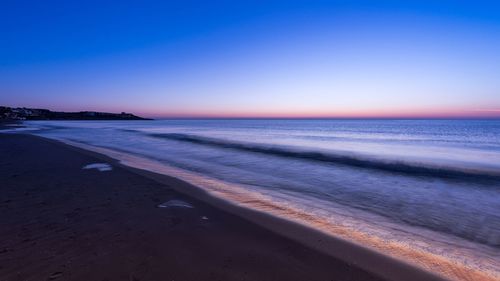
pixel 23 113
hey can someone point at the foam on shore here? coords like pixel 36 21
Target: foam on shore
pixel 101 167
pixel 175 204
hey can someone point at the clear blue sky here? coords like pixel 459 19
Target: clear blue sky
pixel 238 58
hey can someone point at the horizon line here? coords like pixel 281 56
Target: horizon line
pixel 490 114
pixel 325 118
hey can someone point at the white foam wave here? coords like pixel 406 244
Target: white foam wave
pixel 101 167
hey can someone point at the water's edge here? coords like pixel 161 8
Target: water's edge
pixel 349 251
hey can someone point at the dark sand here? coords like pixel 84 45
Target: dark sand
pixel 59 222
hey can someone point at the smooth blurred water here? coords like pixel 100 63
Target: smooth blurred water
pixel 431 184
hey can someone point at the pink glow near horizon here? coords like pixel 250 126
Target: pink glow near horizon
pixel 442 113
pixel 269 112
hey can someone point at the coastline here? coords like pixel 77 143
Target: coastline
pixel 353 254
pixel 339 242
pixel 62 222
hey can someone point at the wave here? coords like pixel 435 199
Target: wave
pixel 414 169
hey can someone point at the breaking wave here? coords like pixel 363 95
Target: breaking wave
pixel 404 167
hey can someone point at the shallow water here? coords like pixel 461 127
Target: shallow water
pixel 428 186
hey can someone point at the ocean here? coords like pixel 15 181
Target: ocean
pixel 425 191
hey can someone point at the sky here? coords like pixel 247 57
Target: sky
pixel 311 59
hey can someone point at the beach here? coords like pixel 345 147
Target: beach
pixel 412 190
pixel 62 222
pixel 67 223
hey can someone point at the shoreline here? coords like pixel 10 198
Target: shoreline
pixel 64 222
pixel 347 251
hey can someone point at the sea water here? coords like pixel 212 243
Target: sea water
pixel 427 191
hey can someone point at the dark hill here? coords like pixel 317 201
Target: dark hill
pixel 23 113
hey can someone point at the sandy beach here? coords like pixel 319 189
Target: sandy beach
pixel 63 221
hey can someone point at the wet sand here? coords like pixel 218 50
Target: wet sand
pixel 62 222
